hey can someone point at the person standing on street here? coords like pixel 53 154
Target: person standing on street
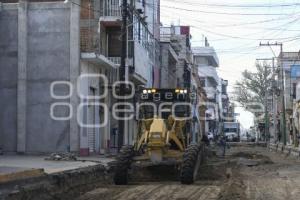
pixel 223 145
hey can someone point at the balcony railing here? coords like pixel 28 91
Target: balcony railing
pixel 116 60
pixel 111 8
pixel 210 92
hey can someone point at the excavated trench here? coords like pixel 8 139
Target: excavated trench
pixel 219 178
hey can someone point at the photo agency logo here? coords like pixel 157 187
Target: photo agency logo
pixel 96 97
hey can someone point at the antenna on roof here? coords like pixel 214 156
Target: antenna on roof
pixel 206 42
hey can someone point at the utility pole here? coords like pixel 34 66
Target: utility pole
pixel 122 71
pixel 266 108
pixel 274 103
pixel 282 87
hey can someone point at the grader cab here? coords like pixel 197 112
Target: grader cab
pixel 164 135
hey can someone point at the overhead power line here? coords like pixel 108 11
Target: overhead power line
pixel 288 39
pixel 243 38
pixel 223 25
pixel 276 28
pixel 224 13
pixel 236 5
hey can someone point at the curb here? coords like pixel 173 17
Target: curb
pixel 21 174
pixel 286 150
pixel 63 185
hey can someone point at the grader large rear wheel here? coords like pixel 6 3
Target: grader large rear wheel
pixel 190 164
pixel 123 163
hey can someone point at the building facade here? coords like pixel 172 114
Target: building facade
pixel 59 65
pixel 206 61
pixel 291 77
pixel 176 57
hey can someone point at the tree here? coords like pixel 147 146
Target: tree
pixel 254 87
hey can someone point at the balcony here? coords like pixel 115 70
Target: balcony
pixel 98 59
pixel 111 13
pixel 207 52
pixel 166 34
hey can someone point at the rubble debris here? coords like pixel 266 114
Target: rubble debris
pixel 62 157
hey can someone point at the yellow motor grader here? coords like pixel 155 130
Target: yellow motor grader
pixel 165 136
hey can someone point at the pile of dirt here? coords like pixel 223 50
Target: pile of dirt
pixel 62 157
pixel 233 189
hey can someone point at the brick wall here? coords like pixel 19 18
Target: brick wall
pixel 87 33
pixel 87 9
pixel 85 39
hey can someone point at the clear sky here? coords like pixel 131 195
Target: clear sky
pixel 235 28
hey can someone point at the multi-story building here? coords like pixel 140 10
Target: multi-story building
pixel 291 73
pixel 224 106
pixel 102 37
pixel 178 70
pixel 206 61
pixel 58 58
pixel 176 57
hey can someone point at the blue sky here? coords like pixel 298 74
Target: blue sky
pixel 235 28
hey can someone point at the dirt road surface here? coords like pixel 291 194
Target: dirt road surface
pixel 245 173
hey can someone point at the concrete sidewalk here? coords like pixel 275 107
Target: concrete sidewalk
pixel 14 167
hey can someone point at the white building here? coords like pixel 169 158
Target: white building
pixel 205 58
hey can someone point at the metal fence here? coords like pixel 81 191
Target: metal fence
pixel 110 8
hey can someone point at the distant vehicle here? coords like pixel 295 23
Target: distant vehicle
pixel 244 138
pixel 210 135
pixel 247 138
pixel 252 138
pixel 232 131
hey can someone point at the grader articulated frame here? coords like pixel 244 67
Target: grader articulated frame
pixel 162 140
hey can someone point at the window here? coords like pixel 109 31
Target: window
pixel 202 82
pixel 294 90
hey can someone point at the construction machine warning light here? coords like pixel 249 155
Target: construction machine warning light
pixel 148 91
pixel 181 91
pixel 164 94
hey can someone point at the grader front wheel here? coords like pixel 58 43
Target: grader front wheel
pixel 190 164
pixel 123 163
